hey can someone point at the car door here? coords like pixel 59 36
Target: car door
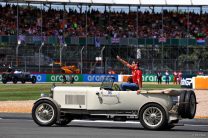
pixel 108 97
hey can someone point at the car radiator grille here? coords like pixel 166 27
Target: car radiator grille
pixel 75 99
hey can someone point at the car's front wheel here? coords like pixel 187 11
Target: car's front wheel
pixel 44 113
pixel 153 116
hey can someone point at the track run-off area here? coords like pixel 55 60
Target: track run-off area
pixel 18 125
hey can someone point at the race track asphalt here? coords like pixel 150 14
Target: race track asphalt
pixel 13 125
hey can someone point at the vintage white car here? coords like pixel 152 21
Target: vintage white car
pixel 155 109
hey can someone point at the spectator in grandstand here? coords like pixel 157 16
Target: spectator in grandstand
pixel 109 24
pixel 167 77
pixel 159 77
pixel 136 76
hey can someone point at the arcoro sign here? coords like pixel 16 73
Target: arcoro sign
pixel 153 78
pixel 59 77
pixel 97 77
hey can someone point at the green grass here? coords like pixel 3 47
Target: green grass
pixel 13 92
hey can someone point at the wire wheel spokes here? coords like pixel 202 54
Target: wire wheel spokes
pixel 44 112
pixel 152 116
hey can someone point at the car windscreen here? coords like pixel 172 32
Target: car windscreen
pixel 107 83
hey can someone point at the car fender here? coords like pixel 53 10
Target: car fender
pixel 53 101
pixel 164 107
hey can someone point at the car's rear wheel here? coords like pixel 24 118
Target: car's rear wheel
pixel 44 113
pixel 187 104
pixel 190 107
pixel 23 81
pixel 153 116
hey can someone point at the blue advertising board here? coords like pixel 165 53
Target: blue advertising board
pixel 40 77
pixel 98 77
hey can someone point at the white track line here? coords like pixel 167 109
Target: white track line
pixel 195 125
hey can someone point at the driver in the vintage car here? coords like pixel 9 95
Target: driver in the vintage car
pixel 136 85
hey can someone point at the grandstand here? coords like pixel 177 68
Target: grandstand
pixel 162 34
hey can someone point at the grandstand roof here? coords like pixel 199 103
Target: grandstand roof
pixel 123 2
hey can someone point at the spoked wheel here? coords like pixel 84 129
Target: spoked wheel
pixel 44 113
pixel 153 116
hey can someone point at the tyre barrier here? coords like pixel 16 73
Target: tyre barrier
pixel 187 104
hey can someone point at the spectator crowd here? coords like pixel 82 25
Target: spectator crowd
pixel 107 24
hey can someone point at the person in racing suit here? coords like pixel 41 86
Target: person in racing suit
pixel 136 76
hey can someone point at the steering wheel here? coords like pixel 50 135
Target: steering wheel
pixel 116 87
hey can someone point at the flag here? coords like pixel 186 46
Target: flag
pixel 97 41
pixel 200 40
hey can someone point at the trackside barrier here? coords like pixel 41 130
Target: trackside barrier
pixel 92 77
pixel 77 77
pixel 200 82
pixel 145 78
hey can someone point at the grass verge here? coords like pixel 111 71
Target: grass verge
pixel 14 92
